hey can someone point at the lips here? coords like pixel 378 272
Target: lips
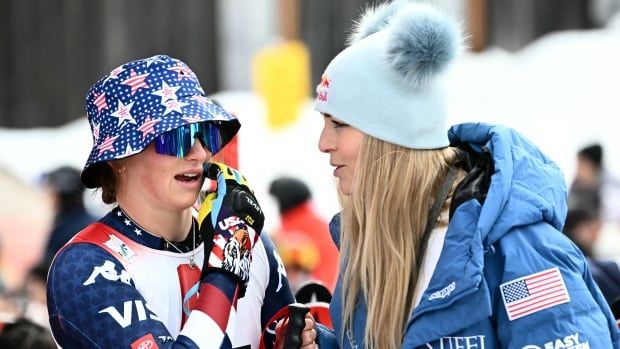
pixel 189 176
pixel 337 167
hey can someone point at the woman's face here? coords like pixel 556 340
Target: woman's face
pixel 342 142
pixel 162 181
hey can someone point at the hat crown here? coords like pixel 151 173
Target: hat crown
pixel 127 92
pixel 142 99
pixel 389 82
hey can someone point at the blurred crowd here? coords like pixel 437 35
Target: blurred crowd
pixel 34 225
pixel 37 221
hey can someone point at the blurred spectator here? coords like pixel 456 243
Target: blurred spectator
pixel 25 218
pixel 34 292
pixel 66 190
pixel 591 176
pixel 299 254
pixel 582 227
pixel 25 334
pixel 28 302
pixel 298 217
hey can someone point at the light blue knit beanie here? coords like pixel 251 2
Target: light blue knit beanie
pixel 388 82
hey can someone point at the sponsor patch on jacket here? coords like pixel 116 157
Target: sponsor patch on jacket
pixel 467 342
pixel 117 245
pixel 532 293
pixel 443 293
pixel 145 342
pixel 569 342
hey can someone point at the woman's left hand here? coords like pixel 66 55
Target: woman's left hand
pixel 308 335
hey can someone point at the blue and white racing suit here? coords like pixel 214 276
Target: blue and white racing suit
pixel 120 288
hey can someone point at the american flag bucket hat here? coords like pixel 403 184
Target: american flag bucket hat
pixel 138 101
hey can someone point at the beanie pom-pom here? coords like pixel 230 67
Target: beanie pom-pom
pixel 374 19
pixel 422 43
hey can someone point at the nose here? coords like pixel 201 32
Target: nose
pixel 199 153
pixel 327 141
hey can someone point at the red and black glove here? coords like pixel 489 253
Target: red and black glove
pixel 230 221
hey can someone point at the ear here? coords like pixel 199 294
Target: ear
pixel 118 166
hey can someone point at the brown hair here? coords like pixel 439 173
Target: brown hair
pixel 104 176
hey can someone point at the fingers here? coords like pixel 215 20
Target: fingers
pixel 206 207
pixel 308 335
pixel 310 324
pixel 213 169
pixel 222 173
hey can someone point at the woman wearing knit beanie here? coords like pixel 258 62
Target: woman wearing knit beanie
pixel 449 237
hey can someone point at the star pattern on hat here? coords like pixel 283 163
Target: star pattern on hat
pixel 114 73
pixel 136 81
pixel 191 119
pixel 151 60
pixel 173 105
pixel 123 113
pixel 202 99
pixel 100 102
pixel 129 151
pixel 166 92
pixel 96 132
pixel 140 100
pixel 148 126
pixel 183 71
pixel 107 145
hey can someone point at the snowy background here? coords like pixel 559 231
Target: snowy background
pixel 561 91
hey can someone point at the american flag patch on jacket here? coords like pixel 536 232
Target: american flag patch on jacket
pixel 532 293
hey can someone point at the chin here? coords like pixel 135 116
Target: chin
pixel 186 202
pixel 344 188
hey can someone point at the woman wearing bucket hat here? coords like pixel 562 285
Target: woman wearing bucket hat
pixel 153 272
pixel 449 237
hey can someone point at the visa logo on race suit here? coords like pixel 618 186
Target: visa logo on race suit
pixel 126 318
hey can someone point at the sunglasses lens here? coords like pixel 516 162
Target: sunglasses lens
pixel 179 142
pixel 211 136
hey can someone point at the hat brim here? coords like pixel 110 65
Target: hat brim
pixel 211 112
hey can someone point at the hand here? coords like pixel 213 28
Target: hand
pixel 308 334
pixel 230 222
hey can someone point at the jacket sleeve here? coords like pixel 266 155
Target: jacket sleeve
pixel 278 293
pixel 326 338
pixel 93 303
pixel 544 295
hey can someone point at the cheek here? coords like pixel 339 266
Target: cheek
pixel 153 179
pixel 351 148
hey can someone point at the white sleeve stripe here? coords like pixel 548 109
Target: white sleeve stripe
pixel 214 261
pixel 201 329
pixel 230 327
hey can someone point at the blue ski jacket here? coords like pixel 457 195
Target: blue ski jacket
pixel 506 277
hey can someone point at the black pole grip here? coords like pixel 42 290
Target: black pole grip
pixel 296 323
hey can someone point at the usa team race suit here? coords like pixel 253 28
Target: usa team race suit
pixel 117 286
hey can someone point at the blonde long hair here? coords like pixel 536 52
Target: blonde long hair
pixel 383 221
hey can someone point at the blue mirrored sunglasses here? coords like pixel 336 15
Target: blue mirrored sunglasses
pixel 179 142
